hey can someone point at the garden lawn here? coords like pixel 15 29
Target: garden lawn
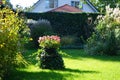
pixel 79 66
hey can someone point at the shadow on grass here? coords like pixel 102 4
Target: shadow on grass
pixel 30 56
pixel 79 71
pixel 23 75
pixel 80 54
pixel 42 75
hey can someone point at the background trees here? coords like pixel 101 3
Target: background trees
pixel 6 3
pixel 100 4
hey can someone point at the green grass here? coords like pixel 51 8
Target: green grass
pixel 79 66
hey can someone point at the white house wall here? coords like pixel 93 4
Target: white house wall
pixel 60 2
pixel 40 6
pixel 87 8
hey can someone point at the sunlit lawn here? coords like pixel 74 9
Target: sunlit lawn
pixel 79 66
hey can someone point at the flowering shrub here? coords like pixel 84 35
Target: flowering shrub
pixel 106 39
pixel 49 42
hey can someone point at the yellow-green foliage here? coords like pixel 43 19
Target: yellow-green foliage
pixel 11 28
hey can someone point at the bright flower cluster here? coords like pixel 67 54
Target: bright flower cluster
pixel 49 41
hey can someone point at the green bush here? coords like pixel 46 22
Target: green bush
pixel 40 28
pixel 12 30
pixel 106 39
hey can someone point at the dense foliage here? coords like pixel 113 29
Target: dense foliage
pixel 106 39
pixel 5 3
pixel 68 24
pixel 12 36
pixel 100 4
pixel 65 23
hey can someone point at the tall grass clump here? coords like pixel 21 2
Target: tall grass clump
pixel 40 28
pixel 106 38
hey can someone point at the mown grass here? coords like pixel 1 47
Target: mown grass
pixel 79 66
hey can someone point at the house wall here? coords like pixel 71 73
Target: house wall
pixel 60 2
pixel 41 6
pixel 87 8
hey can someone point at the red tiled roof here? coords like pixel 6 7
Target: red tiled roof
pixel 65 8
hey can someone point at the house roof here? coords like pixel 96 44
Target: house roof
pixel 36 3
pixel 65 8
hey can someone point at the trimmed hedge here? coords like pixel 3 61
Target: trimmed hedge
pixel 68 23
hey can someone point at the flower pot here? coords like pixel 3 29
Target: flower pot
pixel 51 61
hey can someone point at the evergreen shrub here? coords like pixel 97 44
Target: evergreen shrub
pixel 68 24
pixel 65 23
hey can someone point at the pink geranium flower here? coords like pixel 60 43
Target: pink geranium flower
pixel 49 41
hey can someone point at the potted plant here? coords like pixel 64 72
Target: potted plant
pixel 50 57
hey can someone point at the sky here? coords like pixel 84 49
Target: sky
pixel 23 3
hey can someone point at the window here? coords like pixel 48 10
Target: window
pixel 51 3
pixel 56 3
pixel 75 4
pixel 47 3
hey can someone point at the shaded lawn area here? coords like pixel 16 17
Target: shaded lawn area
pixel 79 66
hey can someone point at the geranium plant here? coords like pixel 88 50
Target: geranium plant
pixel 49 41
pixel 49 57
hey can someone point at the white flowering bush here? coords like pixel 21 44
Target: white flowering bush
pixel 106 38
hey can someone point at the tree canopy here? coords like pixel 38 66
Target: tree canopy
pixel 101 4
pixel 6 3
